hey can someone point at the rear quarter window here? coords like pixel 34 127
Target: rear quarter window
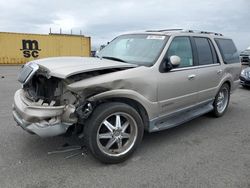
pixel 228 51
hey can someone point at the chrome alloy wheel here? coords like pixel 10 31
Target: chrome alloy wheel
pixel 222 100
pixel 117 134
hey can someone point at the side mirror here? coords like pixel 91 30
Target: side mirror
pixel 175 60
pixel 96 53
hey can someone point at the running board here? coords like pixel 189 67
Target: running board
pixel 179 117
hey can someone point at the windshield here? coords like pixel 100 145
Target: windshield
pixel 140 49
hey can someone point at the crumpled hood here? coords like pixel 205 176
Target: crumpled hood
pixel 63 67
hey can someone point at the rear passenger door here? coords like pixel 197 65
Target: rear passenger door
pixel 209 69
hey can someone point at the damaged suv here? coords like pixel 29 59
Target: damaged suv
pixel 149 81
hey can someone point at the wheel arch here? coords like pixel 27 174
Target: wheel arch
pixel 133 103
pixel 228 83
pixel 144 107
pixel 227 80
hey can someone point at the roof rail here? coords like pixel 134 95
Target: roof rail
pixel 162 30
pixel 186 31
pixel 213 33
pixel 202 32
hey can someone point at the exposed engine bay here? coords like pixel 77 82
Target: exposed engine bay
pixel 42 88
pixel 53 91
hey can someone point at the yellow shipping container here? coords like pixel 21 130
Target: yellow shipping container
pixel 19 48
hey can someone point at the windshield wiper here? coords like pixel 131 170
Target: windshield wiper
pixel 114 58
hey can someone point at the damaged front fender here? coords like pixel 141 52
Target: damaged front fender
pixel 129 84
pixel 149 106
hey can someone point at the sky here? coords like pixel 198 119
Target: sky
pixel 105 19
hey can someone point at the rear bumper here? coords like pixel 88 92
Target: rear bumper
pixel 44 121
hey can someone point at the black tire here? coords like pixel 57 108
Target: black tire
pixel 217 112
pixel 96 127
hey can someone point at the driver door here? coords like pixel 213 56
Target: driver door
pixel 178 87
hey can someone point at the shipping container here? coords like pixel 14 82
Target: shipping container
pixel 19 48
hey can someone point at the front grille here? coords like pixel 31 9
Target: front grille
pixel 247 82
pixel 43 88
pixel 244 81
pixel 245 59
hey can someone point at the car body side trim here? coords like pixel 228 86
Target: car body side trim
pixel 181 116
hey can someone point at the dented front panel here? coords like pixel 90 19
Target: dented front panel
pixel 139 84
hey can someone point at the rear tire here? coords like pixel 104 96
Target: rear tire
pixel 113 132
pixel 221 101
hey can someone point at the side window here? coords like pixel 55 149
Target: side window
pixel 228 50
pixel 215 55
pixel 181 46
pixel 205 53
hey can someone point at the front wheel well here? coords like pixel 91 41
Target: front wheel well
pixel 133 103
pixel 228 83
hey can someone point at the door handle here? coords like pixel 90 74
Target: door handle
pixel 219 72
pixel 191 76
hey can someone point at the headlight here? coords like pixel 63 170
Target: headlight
pixel 245 73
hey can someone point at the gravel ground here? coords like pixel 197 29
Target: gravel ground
pixel 206 152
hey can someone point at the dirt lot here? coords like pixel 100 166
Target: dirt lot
pixel 206 152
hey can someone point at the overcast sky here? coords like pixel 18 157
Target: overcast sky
pixel 104 19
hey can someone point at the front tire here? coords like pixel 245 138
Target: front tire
pixel 113 132
pixel 221 101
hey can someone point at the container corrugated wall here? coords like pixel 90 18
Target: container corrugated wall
pixel 18 48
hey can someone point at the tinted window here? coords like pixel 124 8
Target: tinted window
pixel 228 50
pixel 181 46
pixel 215 56
pixel 204 51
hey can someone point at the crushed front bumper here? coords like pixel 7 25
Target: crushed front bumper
pixel 43 120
